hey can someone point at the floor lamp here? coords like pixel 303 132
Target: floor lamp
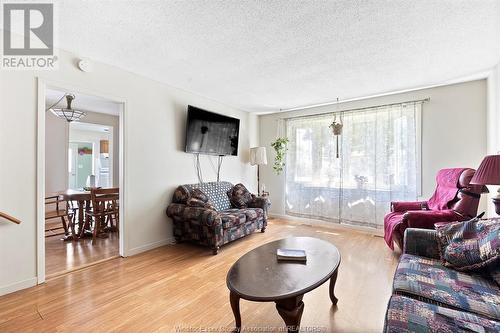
pixel 258 157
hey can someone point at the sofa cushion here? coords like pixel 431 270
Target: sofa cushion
pixel 200 216
pixel 409 315
pixel 427 279
pixel 194 202
pixel 232 217
pixel 216 193
pixel 253 214
pixel 231 234
pixel 239 196
pixel 199 195
pixel 471 244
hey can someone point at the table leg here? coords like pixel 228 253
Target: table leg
pixel 290 310
pixel 72 235
pixel 235 306
pixel 72 222
pixel 81 208
pixel 333 280
pixel 84 220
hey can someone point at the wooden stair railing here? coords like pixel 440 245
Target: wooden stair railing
pixel 9 218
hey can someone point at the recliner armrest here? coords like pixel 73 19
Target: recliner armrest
pixel 421 242
pixel 426 219
pixel 259 202
pixel 404 206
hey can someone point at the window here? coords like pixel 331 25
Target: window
pixel 378 163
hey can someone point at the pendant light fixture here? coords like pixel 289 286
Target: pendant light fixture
pixel 67 113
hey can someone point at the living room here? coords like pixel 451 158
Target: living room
pixel 337 113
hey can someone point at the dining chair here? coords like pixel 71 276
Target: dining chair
pixel 113 219
pixel 104 209
pixel 58 208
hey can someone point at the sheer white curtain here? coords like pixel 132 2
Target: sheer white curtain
pixel 378 163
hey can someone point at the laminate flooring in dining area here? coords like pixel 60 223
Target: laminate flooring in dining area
pixel 61 256
pixel 182 288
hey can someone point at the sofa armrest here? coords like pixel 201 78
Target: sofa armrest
pixel 421 242
pixel 259 202
pixel 404 206
pixel 181 195
pixel 175 210
pixel 426 219
pixel 204 216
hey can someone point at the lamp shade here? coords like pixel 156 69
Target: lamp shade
pixel 104 146
pixel 258 156
pixel 488 172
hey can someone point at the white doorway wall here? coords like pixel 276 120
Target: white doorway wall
pixel 46 88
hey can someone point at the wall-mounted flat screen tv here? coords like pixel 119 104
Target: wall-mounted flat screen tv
pixel 211 133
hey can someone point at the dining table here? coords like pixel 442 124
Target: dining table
pixel 82 199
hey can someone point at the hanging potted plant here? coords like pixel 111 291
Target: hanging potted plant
pixel 336 128
pixel 280 147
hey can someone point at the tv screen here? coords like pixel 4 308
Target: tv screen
pixel 211 133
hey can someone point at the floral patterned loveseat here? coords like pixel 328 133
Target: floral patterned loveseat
pixel 216 213
pixel 430 297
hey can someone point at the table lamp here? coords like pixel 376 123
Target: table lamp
pixel 488 173
pixel 258 157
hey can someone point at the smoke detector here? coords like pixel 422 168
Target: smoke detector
pixel 85 65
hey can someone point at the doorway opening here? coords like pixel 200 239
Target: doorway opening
pixel 82 200
pixel 90 155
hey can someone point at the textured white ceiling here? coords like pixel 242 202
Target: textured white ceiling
pixel 267 55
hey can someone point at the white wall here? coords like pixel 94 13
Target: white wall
pixel 154 159
pixel 56 145
pixel 497 94
pixel 494 110
pixel 56 140
pixel 453 133
pixel 493 123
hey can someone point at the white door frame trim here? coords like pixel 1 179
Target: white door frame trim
pixel 40 173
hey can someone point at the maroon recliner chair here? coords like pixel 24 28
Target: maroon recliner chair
pixel 454 199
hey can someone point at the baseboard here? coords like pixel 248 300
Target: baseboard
pixel 281 216
pixel 150 246
pixel 303 220
pixel 18 286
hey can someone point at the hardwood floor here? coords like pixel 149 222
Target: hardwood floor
pixel 183 286
pixel 63 256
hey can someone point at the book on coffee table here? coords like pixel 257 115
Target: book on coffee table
pixel 289 254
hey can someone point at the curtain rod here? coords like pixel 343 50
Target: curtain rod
pixel 417 101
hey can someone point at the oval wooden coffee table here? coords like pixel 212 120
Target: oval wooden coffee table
pixel 259 276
